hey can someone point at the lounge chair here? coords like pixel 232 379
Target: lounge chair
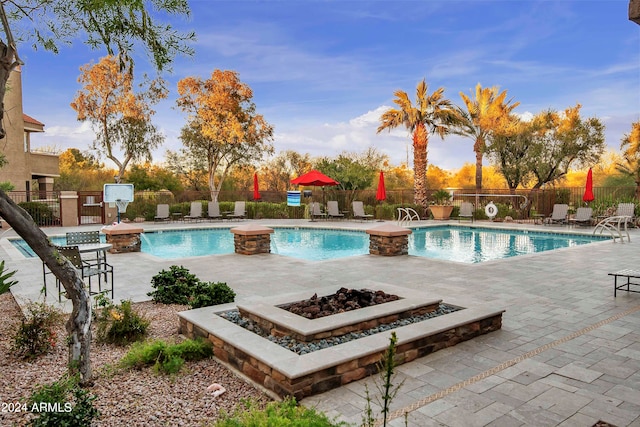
pixel 316 211
pixel 358 210
pixel 333 210
pixel 239 211
pixel 627 209
pixel 559 214
pixel 584 216
pixel 196 212
pixel 466 211
pixel 213 210
pixel 162 213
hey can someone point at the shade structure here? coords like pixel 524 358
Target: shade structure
pixel 256 192
pixel 588 188
pixel 314 178
pixel 381 194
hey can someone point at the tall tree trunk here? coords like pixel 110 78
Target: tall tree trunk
pixel 478 147
pixel 79 323
pixel 420 141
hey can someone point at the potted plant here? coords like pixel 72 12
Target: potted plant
pixel 441 207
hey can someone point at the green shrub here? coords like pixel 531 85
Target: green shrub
pixel 173 286
pixel 119 324
pixel 62 403
pixel 282 414
pixel 209 293
pixel 166 358
pixel 5 283
pixel 7 186
pixel 179 286
pixel 40 212
pixel 36 334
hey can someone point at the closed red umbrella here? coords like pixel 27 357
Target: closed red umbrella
pixel 588 188
pixel 256 193
pixel 381 194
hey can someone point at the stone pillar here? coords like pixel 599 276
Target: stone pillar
pixel 252 239
pixel 45 187
pixel 68 208
pixel 388 240
pixel 124 238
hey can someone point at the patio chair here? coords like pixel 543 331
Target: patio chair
pixel 316 211
pixel 162 213
pixel 333 210
pixel 195 214
pixel 85 238
pixel 213 210
pixel 559 214
pixel 358 210
pixel 584 216
pixel 466 211
pixel 627 209
pixel 86 269
pixel 239 210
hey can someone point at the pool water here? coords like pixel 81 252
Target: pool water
pixel 460 244
pixel 452 243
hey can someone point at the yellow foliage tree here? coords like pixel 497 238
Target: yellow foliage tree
pixel 223 127
pixel 121 118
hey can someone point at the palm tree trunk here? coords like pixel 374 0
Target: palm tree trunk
pixel 478 147
pixel 420 141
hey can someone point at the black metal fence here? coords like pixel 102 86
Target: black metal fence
pixel 523 204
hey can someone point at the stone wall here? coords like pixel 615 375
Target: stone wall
pixel 251 245
pixel 388 245
pixel 124 243
pixel 335 376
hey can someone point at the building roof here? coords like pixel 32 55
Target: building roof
pixel 29 119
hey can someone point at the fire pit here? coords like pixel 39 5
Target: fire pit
pixel 343 300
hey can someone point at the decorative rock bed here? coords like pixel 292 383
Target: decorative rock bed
pixel 289 374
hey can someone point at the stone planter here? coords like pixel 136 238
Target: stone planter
pixel 441 211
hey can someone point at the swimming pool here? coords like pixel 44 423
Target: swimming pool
pixel 453 243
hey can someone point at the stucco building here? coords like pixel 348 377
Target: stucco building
pixel 26 170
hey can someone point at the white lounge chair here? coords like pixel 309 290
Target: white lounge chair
pixel 358 210
pixel 195 214
pixel 213 210
pixel 466 211
pixel 584 216
pixel 316 211
pixel 559 214
pixel 333 210
pixel 239 210
pixel 162 213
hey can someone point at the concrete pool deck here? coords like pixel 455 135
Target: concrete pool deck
pixel 568 352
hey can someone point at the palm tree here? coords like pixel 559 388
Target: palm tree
pixel 480 117
pixel 430 114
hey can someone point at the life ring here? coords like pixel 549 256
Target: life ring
pixel 491 210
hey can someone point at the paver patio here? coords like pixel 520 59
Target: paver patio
pixel 568 352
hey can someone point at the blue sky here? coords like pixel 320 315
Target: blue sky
pixel 322 72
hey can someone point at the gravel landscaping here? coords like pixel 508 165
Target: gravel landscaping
pixel 124 398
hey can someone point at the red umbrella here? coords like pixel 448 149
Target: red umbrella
pixel 381 194
pixel 315 178
pixel 256 193
pixel 588 189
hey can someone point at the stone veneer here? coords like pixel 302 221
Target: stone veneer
pixel 288 374
pixel 388 240
pixel 252 239
pixel 124 238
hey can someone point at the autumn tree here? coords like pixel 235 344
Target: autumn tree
pixel 481 114
pixel 563 140
pixel 120 117
pixel 147 176
pixel 630 164
pixel 431 114
pixel 223 126
pixel 191 170
pixel 119 27
pixel 81 171
pixel 276 174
